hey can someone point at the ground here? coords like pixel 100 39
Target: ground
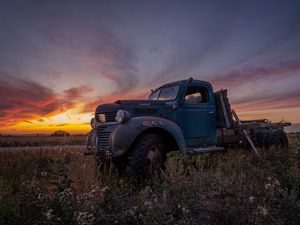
pixel 51 186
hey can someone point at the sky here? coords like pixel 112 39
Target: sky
pixel 60 59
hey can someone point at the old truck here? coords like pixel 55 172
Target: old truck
pixel 185 116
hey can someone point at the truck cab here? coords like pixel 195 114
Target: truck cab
pixel 193 109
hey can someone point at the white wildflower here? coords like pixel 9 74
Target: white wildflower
pixel 263 210
pixel 44 173
pixel 267 186
pixel 251 199
pixel 85 218
pixel 49 214
pixel 148 204
pixel 104 189
pixel 148 189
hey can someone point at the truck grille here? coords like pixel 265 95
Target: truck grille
pixel 103 141
pixel 106 117
pixel 94 143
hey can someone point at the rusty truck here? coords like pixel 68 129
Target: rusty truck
pixel 185 116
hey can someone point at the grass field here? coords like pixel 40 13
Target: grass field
pixel 60 187
pixel 44 140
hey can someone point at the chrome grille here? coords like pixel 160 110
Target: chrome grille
pixel 106 117
pixel 94 143
pixel 103 141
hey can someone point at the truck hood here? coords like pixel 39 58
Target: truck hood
pixel 130 105
pixel 138 108
pixel 146 107
pixel 140 103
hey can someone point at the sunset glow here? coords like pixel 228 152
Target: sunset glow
pixel 59 60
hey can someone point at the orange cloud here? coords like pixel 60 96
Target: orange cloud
pixel 274 103
pixel 77 92
pixel 25 100
pixel 137 94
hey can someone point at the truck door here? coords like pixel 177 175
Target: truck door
pixel 199 116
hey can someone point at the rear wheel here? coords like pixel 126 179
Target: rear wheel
pixel 277 140
pixel 272 140
pixel 148 157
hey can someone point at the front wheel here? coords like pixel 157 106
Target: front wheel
pixel 148 157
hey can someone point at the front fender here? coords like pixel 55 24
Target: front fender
pixel 125 134
pixel 91 141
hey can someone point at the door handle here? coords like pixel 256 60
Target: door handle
pixel 211 112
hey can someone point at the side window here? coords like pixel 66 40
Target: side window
pixel 196 95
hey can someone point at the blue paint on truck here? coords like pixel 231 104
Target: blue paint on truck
pixel 188 105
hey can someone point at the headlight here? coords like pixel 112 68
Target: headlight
pixel 93 122
pixel 122 116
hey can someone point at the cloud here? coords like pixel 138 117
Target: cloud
pixel 288 100
pixel 256 74
pixel 265 87
pixel 76 93
pixel 24 100
pixel 62 124
pixel 91 106
pixel 114 60
pixel 99 50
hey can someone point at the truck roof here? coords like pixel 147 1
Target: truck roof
pixel 180 82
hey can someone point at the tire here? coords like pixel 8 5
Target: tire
pixel 279 140
pixel 261 139
pixel 120 163
pixel 269 141
pixel 148 157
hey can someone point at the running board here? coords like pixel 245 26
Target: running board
pixel 202 150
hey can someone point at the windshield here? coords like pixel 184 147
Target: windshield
pixel 166 93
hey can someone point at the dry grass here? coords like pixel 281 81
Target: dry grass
pixel 25 141
pixel 59 187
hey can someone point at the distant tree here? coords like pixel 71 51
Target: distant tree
pixel 60 133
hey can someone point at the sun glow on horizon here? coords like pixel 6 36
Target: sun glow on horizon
pixel 71 121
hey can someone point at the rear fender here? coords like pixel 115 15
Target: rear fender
pixel 125 134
